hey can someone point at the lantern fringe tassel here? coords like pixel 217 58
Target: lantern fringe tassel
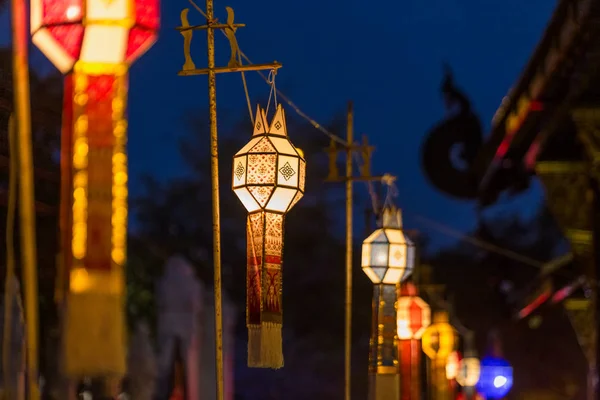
pixel 265 346
pixel 95 337
pixel 264 313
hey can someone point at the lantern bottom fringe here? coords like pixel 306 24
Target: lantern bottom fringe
pixel 95 340
pixel 254 360
pixel 265 346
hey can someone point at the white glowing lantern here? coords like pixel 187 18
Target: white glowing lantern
pixel 269 172
pixel 469 370
pixel 388 254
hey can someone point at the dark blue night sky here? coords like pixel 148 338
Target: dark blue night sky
pixel 385 55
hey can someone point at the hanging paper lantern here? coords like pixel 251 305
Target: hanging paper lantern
pixel 268 178
pixel 388 256
pixel 468 372
pixel 100 32
pixel 452 365
pixel 96 40
pixel 413 314
pixel 496 378
pixel 438 339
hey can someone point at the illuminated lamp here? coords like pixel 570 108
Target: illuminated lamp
pixel 388 256
pixel 94 42
pixel 269 178
pixel 438 338
pixel 413 314
pixel 469 370
pixel 387 259
pixel 413 317
pixel 496 378
pixel 438 342
pixel 452 365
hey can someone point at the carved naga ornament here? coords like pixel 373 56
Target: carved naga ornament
pixel 450 148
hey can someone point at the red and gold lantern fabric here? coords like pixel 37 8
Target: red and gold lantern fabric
pixel 413 314
pixel 94 42
pixel 269 178
pixel 100 32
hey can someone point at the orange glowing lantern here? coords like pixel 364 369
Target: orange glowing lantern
pixel 413 314
pixel 94 42
pixel 268 177
pixel 413 317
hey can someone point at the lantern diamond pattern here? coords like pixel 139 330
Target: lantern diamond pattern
pixel 388 254
pixel 239 170
pixel 287 171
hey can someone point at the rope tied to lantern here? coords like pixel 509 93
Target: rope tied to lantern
pixel 269 178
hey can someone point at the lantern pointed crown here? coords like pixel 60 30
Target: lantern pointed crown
pixel 269 172
pixel 388 255
pixel 102 32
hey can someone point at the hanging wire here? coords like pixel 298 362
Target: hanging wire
pixel 273 91
pixel 314 123
pixel 392 191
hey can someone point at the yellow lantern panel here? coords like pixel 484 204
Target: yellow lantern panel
pixel 283 146
pixel 261 169
pixel 240 164
pixel 246 149
pixel 395 236
pixel 104 44
pixel 438 339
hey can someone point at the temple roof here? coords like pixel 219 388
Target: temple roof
pixel 560 75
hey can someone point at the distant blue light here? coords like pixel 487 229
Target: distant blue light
pixel 496 378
